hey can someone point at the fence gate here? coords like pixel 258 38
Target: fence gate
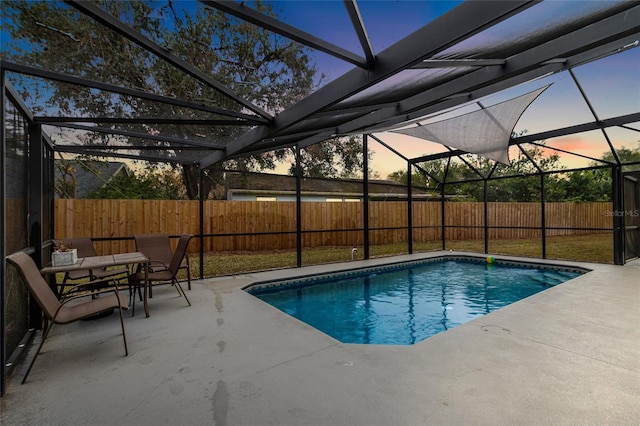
pixel 631 215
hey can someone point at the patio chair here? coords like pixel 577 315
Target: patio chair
pixel 86 249
pixel 165 272
pixel 58 312
pixel 158 249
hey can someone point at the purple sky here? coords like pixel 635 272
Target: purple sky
pixel 386 21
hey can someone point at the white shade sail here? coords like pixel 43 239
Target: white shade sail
pixel 485 132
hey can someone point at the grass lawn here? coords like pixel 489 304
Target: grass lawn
pixel 596 248
pixel 587 248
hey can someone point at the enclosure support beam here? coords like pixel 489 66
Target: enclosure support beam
pixel 485 199
pixel 3 254
pixel 409 209
pixel 49 186
pixel 298 206
pixel 35 188
pixel 35 206
pixel 593 112
pixel 542 206
pixel 618 216
pixel 444 183
pixel 365 193
pixel 358 26
pixel 201 222
pixel 543 215
pixel 442 226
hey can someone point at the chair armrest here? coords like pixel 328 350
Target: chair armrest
pixel 160 265
pixel 122 304
pixel 111 289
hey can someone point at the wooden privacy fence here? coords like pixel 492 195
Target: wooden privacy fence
pixel 265 225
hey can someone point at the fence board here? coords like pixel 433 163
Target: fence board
pixel 120 219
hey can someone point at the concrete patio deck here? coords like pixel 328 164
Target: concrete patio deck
pixel 568 355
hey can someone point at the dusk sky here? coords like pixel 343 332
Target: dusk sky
pixel 387 21
pixel 612 84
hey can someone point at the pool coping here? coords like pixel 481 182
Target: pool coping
pixel 498 259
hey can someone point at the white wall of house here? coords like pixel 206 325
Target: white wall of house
pixel 242 196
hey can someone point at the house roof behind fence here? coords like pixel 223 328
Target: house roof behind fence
pixel 263 183
pixel 87 176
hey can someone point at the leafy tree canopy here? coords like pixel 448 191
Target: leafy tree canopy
pixel 268 70
pixel 161 185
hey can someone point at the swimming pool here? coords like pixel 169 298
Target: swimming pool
pixel 403 304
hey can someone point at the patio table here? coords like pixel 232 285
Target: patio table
pixel 97 262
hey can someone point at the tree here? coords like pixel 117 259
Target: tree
pixel 626 155
pixel 517 183
pixel 161 185
pixel 268 70
pixel 595 184
pixel 584 186
pixel 335 158
pixel 65 186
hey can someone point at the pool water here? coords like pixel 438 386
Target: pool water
pixel 407 304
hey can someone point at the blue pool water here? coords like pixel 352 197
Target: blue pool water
pixel 403 305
